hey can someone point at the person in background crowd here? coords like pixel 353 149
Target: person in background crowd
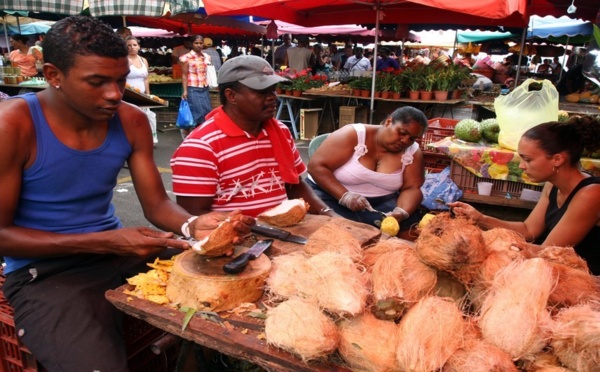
pixel 358 62
pixel 347 53
pixel 545 67
pixel 215 57
pixel 37 52
pixel 181 50
pixel 61 151
pixel 555 66
pixel 321 60
pixel 334 55
pixel 573 81
pixel 568 212
pixel 385 63
pixel 242 157
pixel 373 166
pixel 466 60
pixel 20 56
pixel 281 51
pixel 124 32
pixel 138 78
pixel 193 79
pixel 299 58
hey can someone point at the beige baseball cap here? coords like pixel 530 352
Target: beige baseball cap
pixel 252 71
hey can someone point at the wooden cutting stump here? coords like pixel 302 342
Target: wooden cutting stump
pixel 200 283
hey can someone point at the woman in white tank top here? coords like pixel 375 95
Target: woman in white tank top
pixel 137 79
pixel 361 167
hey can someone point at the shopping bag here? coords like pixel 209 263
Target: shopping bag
pixel 185 119
pixel 211 76
pixel 523 109
pixel 439 186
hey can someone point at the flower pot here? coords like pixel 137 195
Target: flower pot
pixel 288 92
pixel 356 92
pixel 413 94
pixel 441 95
pixel 456 94
pixel 385 95
pixel 278 90
pixel 297 93
pixel 426 95
pixel 396 95
pixel 377 94
pixel 365 93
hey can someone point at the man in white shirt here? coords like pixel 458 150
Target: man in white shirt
pixel 357 63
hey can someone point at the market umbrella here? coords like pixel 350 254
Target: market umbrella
pixel 319 12
pixel 99 8
pixel 185 24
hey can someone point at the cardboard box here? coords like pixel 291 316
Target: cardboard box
pixel 309 123
pixel 353 114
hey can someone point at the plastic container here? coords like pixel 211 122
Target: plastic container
pixel 484 188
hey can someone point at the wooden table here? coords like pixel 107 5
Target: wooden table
pixel 240 336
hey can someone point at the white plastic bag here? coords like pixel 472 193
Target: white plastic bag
pixel 524 108
pixel 211 76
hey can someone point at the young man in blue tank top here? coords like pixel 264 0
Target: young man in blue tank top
pixel 60 154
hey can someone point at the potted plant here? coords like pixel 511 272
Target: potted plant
pixel 355 84
pixel 413 81
pixel 443 78
pixel 427 80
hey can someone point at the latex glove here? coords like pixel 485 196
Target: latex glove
pixel 354 202
pixel 398 213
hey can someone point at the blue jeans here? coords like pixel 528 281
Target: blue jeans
pixel 384 203
pixel 199 101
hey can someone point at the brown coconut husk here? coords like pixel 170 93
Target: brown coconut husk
pixel 299 326
pixel 478 355
pixel 500 239
pixel 369 344
pixel 513 315
pixel 371 254
pixel 220 240
pixel 573 286
pixel 454 245
pixel 564 255
pixel 576 337
pixel 448 286
pixel 399 280
pixel 331 238
pixel 331 279
pixel 543 362
pixel 430 332
pixel 288 213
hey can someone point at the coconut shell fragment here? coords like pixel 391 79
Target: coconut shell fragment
pixel 220 240
pixel 288 213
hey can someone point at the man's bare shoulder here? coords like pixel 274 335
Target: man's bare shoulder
pixel 13 111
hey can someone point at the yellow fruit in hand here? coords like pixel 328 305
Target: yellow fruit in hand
pixel 390 226
pixel 426 219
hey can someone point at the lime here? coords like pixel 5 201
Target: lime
pixel 390 226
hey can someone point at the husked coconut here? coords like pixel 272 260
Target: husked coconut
pixel 332 279
pixel 400 279
pixel 564 255
pixel 576 337
pixel 288 213
pixel 220 240
pixel 372 254
pixel 369 344
pixel 332 238
pixel 513 315
pixel 501 239
pixel 454 245
pixel 448 286
pixel 573 286
pixel 478 355
pixel 543 362
pixel 430 332
pixel 298 326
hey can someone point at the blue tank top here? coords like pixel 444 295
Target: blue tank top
pixel 66 190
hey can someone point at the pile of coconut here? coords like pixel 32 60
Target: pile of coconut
pixel 460 299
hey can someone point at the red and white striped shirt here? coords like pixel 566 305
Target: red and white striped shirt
pixel 220 160
pixel 197 65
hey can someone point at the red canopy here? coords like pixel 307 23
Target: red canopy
pixel 211 26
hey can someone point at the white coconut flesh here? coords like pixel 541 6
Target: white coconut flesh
pixel 284 207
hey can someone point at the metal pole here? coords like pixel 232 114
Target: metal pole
pixel 564 59
pixel 520 56
pixel 372 107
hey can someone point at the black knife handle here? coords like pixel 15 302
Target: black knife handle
pixel 238 264
pixel 270 232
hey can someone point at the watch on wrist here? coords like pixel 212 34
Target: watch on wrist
pixel 185 228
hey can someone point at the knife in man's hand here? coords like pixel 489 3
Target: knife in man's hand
pixel 238 264
pixel 274 232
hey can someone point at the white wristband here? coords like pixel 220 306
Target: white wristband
pixel 185 228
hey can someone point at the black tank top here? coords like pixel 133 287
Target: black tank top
pixel 589 247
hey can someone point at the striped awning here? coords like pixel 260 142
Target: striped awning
pixel 98 8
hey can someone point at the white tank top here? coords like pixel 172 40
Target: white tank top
pixel 366 182
pixel 137 75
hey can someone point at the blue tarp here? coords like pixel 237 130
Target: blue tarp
pixel 558 30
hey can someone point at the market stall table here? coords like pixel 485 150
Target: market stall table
pixel 287 101
pixel 237 334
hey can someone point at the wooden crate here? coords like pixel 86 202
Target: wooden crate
pixel 353 114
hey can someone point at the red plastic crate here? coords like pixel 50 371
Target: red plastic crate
pixel 434 133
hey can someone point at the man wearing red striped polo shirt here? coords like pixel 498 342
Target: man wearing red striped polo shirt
pixel 241 157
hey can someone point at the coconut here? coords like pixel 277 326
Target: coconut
pixel 332 238
pixel 331 279
pixel 573 286
pixel 430 332
pixel 400 279
pixel 500 239
pixel 369 344
pixel 372 254
pixel 220 240
pixel 543 362
pixel 288 213
pixel 478 355
pixel 576 337
pixel 448 286
pixel 454 245
pixel 513 315
pixel 564 255
pixel 298 326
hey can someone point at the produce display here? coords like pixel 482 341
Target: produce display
pixel 148 96
pixel 468 130
pixel 156 78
